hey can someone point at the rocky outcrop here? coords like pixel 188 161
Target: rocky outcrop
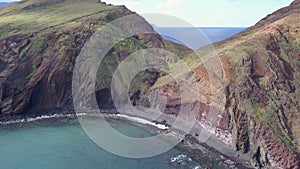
pixel 263 102
pixel 260 67
pixel 36 62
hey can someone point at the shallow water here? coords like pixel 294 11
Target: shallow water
pixel 62 144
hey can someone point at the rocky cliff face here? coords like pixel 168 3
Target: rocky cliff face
pixel 37 59
pixel 260 68
pixel 39 42
pixel 263 102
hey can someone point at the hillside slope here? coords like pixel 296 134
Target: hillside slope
pixel 39 43
pixel 263 100
pixel 260 78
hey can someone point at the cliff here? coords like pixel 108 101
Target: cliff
pixel 259 77
pixel 263 99
pixel 39 43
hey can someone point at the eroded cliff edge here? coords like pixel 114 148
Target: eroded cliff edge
pixel 263 100
pixel 260 78
pixel 39 43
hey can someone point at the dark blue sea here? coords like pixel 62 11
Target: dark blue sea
pixel 209 35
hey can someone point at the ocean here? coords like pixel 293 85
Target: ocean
pixel 61 143
pixel 210 35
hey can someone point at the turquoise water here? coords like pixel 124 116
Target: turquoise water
pixel 64 145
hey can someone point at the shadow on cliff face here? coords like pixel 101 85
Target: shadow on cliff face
pixel 104 99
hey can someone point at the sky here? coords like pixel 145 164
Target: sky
pixel 206 13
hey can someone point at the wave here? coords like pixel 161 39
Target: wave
pixel 32 119
pixel 111 115
pixel 180 159
pixel 143 121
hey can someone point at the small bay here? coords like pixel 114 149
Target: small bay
pixel 62 144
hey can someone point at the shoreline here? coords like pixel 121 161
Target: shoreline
pixel 213 145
